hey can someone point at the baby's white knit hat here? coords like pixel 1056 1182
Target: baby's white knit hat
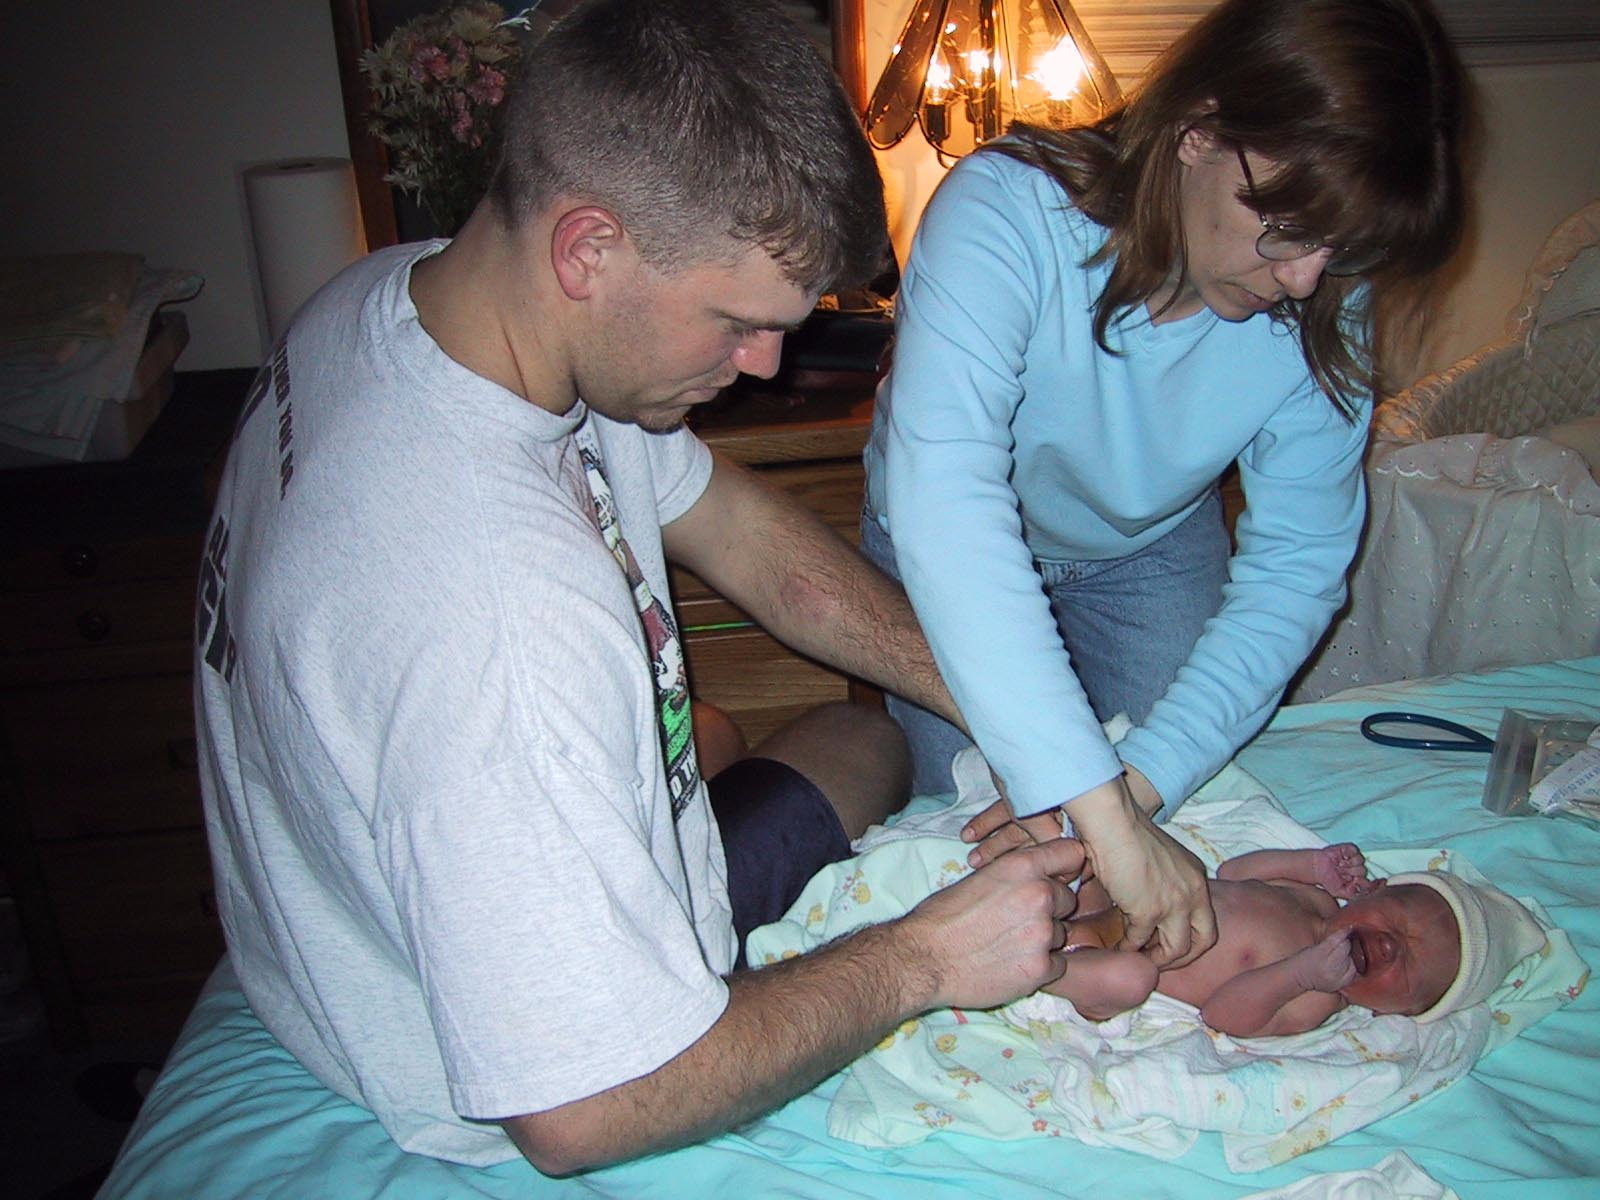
pixel 1496 934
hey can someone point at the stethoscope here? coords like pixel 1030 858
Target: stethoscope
pixel 1461 737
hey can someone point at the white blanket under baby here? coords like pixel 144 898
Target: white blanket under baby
pixel 1154 1079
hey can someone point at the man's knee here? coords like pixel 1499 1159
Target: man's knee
pixel 856 755
pixel 718 740
pixel 874 734
pixel 841 730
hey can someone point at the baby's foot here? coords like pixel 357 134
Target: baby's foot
pixel 1342 871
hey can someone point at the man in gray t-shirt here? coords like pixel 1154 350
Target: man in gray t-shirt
pixel 466 862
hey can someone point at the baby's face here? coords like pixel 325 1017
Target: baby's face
pixel 1406 948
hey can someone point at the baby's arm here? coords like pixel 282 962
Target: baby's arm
pixel 1339 870
pixel 1291 995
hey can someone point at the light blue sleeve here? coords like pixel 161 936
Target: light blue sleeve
pixel 968 307
pixel 1305 501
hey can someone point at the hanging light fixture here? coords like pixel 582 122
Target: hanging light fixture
pixel 965 69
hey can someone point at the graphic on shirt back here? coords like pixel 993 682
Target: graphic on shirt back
pixel 661 637
pixel 276 375
pixel 221 651
pixel 211 609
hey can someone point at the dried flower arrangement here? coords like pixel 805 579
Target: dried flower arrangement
pixel 438 82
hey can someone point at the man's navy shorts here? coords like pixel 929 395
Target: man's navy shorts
pixel 778 830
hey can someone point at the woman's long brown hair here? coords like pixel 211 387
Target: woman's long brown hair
pixel 1359 106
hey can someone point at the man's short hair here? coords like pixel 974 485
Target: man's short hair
pixel 697 122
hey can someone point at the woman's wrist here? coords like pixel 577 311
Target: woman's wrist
pixel 1143 791
pixel 1106 805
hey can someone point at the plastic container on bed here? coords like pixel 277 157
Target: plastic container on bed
pixel 1544 765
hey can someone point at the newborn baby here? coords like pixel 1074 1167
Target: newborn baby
pixel 1289 955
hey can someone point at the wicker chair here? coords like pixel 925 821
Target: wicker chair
pixel 1483 537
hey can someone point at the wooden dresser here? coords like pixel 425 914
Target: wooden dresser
pixel 101 836
pixel 100 824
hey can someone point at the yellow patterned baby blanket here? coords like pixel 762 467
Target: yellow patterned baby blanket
pixel 1154 1079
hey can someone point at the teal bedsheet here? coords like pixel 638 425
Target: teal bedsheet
pixel 233 1114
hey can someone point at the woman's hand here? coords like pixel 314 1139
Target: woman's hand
pixel 996 831
pixel 1160 887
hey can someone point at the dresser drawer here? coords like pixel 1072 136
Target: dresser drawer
pixel 97 616
pixel 759 682
pixel 133 907
pixel 105 756
pixel 71 562
pixel 152 1007
pixel 101 829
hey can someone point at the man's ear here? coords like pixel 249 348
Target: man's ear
pixel 582 243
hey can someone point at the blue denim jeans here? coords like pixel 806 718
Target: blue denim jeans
pixel 1127 623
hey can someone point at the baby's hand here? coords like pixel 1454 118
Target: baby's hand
pixel 1342 871
pixel 1327 966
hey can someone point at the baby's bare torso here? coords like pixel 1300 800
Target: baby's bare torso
pixel 1257 923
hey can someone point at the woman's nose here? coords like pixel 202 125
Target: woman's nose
pixel 758 353
pixel 1299 276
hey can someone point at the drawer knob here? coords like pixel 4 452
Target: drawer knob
pixel 80 561
pixel 94 625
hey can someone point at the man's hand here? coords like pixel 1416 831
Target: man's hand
pixel 987 939
pixel 997 832
pixel 1160 887
pixel 998 933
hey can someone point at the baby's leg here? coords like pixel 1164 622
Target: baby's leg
pixel 1103 983
pixel 1099 980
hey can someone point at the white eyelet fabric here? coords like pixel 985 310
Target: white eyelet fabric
pixel 1482 546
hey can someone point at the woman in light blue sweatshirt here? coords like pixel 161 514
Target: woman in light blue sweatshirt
pixel 1092 326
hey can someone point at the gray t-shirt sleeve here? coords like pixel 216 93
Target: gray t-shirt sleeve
pixel 537 920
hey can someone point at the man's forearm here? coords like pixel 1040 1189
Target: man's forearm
pixel 837 607
pixel 786 1027
pixel 984 940
pixel 806 585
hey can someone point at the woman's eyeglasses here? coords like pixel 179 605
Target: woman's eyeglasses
pixel 1284 243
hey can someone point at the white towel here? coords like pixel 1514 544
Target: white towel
pixel 53 409
pixel 1395 1177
